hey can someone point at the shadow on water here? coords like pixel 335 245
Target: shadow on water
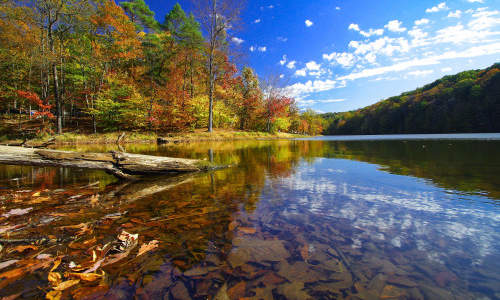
pixel 289 219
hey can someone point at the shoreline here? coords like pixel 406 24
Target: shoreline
pixel 150 137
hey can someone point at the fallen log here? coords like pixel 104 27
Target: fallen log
pixel 122 165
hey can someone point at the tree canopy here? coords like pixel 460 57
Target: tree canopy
pixel 99 65
pixel 466 102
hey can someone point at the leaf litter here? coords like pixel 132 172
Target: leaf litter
pixel 194 242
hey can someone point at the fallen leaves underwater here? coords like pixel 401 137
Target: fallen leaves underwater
pixel 220 235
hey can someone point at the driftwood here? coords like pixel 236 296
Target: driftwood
pixel 122 165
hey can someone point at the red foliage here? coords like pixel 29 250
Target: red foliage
pixel 43 109
pixel 277 106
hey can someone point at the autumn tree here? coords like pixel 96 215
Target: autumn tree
pixel 251 98
pixel 218 17
pixel 276 103
pixel 56 17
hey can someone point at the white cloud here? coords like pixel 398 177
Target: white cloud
pixel 298 90
pixel 420 73
pixel 313 66
pixel 252 48
pixel 372 32
pixel 337 8
pixel 237 40
pixel 422 21
pixel 282 39
pixel 309 23
pixel 368 33
pixel 455 14
pixel 283 60
pixel 262 49
pixel 395 26
pixel 484 19
pixel 488 49
pixel 370 57
pixel 282 76
pixel 477 31
pixel 330 100
pixel 257 21
pixel 475 34
pixel 291 64
pixel 385 45
pixel 441 6
pixel 311 102
pixel 354 27
pixel 475 1
pixel 344 59
pixel 301 72
pixel 417 33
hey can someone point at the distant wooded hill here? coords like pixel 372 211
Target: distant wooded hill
pixel 466 102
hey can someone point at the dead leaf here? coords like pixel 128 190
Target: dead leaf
pixel 54 278
pixel 84 228
pixel 66 284
pixel 38 200
pixel 127 237
pixel 53 295
pixel 232 225
pixel 127 225
pixel 237 291
pixel 23 248
pixel 148 247
pixel 304 252
pixel 12 297
pixel 86 276
pixel 95 266
pixel 43 256
pixel 57 262
pixel 94 199
pixel 5 264
pixel 17 212
pixel 247 230
pixel 13 273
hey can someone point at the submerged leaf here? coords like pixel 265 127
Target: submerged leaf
pixel 5 264
pixel 53 295
pixel 86 276
pixel 17 212
pixel 23 248
pixel 66 284
pixel 148 247
pixel 247 230
pixel 54 278
pixel 57 262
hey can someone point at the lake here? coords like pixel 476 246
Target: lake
pixel 392 217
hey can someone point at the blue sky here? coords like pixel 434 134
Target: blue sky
pixel 339 55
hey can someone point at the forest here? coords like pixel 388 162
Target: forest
pixel 466 102
pixel 101 66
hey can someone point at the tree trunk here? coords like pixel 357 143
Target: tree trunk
pixel 122 165
pixel 213 40
pixel 55 82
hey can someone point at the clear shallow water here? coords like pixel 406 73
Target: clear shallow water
pixel 319 219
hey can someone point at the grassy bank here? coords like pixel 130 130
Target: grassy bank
pixel 150 137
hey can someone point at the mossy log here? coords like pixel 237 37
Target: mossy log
pixel 122 165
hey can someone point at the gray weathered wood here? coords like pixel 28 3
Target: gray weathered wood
pixel 122 165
